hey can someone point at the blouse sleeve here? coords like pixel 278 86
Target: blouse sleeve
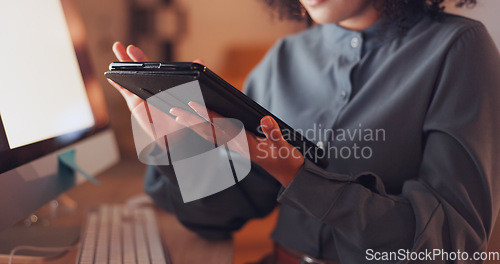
pixel 453 203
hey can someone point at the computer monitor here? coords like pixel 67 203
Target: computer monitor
pixel 50 103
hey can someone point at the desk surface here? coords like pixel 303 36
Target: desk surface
pixel 117 185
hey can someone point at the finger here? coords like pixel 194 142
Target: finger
pixel 136 54
pixel 187 116
pixel 271 130
pixel 120 52
pixel 200 61
pixel 181 122
pixel 194 122
pixel 224 129
pixel 203 111
pixel 203 130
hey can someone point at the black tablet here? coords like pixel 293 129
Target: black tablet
pixel 146 79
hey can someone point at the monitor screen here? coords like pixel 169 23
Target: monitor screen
pixel 50 103
pixel 45 81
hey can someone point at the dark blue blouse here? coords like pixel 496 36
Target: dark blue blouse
pixel 409 121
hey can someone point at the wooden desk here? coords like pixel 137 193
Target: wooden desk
pixel 117 185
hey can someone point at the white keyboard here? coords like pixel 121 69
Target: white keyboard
pixel 117 234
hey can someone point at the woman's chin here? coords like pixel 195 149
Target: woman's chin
pixel 312 3
pixel 324 16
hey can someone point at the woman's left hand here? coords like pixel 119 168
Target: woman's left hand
pixel 273 153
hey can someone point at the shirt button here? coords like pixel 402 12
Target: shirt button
pixel 320 144
pixel 343 94
pixel 355 42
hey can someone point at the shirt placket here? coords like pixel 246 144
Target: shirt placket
pixel 350 58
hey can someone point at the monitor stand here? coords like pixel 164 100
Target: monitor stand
pixel 37 230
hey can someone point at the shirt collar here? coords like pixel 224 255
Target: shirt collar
pixel 351 41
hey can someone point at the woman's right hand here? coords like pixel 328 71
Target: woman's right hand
pixel 142 111
pixel 131 53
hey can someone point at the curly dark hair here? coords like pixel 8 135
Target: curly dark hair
pixel 390 9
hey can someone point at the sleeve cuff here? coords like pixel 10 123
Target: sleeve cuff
pixel 314 191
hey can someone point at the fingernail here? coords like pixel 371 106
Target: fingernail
pixel 132 49
pixel 180 121
pixel 172 111
pixel 267 123
pixel 199 61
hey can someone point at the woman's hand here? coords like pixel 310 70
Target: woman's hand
pixel 273 153
pixel 131 53
pixel 141 110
